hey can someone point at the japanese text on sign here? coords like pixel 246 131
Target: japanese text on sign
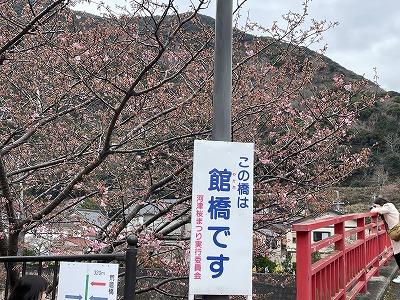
pixel 222 207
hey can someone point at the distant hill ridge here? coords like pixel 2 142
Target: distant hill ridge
pixel 387 113
pixel 326 76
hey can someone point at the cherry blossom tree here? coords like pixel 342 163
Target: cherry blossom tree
pixel 103 112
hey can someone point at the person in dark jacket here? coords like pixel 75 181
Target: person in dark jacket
pixel 29 287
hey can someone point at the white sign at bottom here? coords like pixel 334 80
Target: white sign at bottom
pixel 87 281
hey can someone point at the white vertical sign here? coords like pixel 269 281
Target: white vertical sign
pixel 87 281
pixel 222 219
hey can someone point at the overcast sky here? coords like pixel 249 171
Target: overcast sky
pixel 368 34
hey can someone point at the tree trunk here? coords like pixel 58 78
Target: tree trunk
pixel 12 270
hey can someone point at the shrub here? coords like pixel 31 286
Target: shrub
pixel 261 262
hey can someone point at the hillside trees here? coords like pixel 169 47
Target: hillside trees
pixel 377 129
pixel 105 110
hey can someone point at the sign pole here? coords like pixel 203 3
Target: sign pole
pixel 222 72
pixel 222 82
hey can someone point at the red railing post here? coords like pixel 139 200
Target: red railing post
pixel 340 246
pixel 343 273
pixel 363 252
pixel 303 265
pixel 378 244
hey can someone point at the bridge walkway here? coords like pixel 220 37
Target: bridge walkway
pixel 381 287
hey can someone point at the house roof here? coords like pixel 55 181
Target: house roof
pixel 91 216
pixel 156 207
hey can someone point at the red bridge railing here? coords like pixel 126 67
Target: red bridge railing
pixel 353 254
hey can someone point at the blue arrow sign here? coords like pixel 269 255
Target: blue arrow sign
pixel 79 297
pixel 97 298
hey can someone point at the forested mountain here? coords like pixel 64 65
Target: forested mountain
pixel 377 128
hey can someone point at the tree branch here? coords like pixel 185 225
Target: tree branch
pixel 28 27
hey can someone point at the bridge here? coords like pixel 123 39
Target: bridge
pixel 352 257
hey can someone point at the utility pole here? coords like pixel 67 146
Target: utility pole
pixel 222 93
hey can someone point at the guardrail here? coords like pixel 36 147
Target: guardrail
pixel 357 254
pixel 127 258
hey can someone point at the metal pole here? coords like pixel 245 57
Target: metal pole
pixel 130 268
pixel 222 82
pixel 222 72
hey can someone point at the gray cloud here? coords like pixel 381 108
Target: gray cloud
pixel 367 35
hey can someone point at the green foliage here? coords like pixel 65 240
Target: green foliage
pixel 261 262
pixel 378 129
pixel 365 138
pixel 391 163
pixel 393 94
pixel 28 252
pixel 394 110
pixel 315 256
pixel 396 99
pixel 88 204
pixel 288 265
pixel 366 113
